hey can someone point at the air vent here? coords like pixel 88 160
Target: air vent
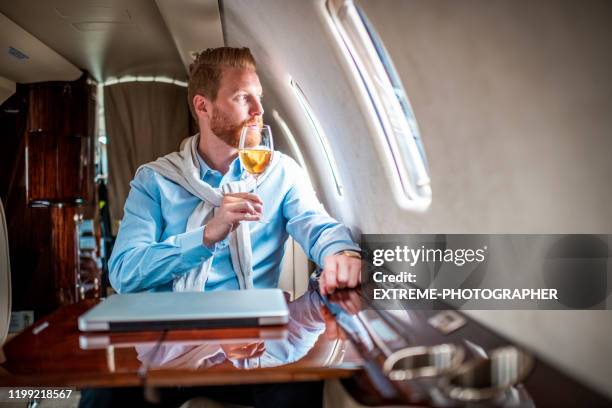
pixel 17 54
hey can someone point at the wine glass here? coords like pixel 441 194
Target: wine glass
pixel 255 150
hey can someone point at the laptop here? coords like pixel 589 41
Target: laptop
pixel 187 310
pixel 97 340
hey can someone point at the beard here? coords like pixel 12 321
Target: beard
pixel 223 127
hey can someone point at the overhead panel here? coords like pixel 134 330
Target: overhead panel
pixel 108 38
pixel 193 24
pixel 24 58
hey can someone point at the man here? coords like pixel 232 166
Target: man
pixel 154 247
pixel 190 217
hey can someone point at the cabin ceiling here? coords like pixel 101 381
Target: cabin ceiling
pixel 113 38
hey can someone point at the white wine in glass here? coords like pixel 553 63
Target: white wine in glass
pixel 255 161
pixel 256 149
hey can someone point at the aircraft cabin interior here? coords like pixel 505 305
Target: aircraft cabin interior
pixel 468 122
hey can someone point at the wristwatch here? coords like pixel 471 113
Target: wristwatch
pixel 350 253
pixel 314 277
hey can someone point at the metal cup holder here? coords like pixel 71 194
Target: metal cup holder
pixel 419 362
pixel 485 378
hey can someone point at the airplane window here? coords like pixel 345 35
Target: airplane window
pixel 318 131
pixel 388 106
pixel 295 148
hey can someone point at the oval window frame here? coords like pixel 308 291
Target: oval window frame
pixel 383 100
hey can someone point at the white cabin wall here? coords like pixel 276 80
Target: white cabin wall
pixel 285 38
pixel 513 100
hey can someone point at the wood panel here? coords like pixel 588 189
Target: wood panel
pixel 76 149
pixel 62 361
pixel 12 125
pixel 113 362
pixel 64 247
pixel 46 159
pixel 60 143
pixel 28 228
pixel 29 231
pixel 41 164
pixel 44 107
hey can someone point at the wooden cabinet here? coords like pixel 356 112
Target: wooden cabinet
pixel 47 182
pixel 60 143
pixel 65 250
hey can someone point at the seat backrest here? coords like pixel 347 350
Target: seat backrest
pixel 294 272
pixel 5 279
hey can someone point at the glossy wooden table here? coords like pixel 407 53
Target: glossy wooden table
pixel 60 355
pixel 304 350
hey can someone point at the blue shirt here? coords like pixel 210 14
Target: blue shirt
pixel 152 247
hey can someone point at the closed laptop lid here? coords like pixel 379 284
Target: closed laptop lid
pixel 186 310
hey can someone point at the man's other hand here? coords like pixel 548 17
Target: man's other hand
pixel 234 208
pixel 339 272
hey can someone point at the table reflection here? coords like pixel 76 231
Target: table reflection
pixel 303 332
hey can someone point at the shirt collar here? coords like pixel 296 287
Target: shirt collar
pixel 204 167
pixel 235 167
